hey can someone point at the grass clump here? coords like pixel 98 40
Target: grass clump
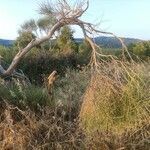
pixel 117 98
pixel 24 95
pixel 68 90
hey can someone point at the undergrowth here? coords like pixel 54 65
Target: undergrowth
pixel 107 110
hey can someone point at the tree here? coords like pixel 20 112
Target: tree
pixel 66 42
pixel 141 49
pixel 84 47
pixel 64 14
pixel 45 23
pixel 84 52
pixel 24 38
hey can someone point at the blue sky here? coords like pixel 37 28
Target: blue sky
pixel 126 18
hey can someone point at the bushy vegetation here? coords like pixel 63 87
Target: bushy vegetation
pixel 105 109
pixel 117 98
pixel 114 112
pixel 23 95
pixel 141 50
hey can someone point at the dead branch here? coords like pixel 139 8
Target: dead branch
pixel 91 29
pixel 51 79
pixel 64 14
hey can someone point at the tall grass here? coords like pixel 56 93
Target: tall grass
pixel 24 95
pixel 68 90
pixel 107 110
pixel 117 98
pixel 115 112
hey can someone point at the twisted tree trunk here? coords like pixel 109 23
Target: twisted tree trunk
pixel 65 15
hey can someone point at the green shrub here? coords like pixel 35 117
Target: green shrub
pixel 112 51
pixel 24 38
pixel 141 50
pixel 7 53
pixel 23 95
pixel 37 66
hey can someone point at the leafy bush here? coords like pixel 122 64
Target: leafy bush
pixel 84 53
pixel 23 95
pixel 37 66
pixel 142 50
pixel 39 62
pixel 112 51
pixel 24 38
pixel 7 53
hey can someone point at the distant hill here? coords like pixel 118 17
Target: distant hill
pixel 104 41
pixel 111 42
pixel 5 42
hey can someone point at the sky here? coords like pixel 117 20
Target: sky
pixel 125 18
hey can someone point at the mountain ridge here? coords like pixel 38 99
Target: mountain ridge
pixel 6 42
pixel 103 41
pixel 111 42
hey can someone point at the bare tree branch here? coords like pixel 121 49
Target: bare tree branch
pixel 64 15
pixel 91 29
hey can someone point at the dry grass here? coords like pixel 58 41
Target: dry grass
pixel 117 103
pixel 25 130
pixel 114 114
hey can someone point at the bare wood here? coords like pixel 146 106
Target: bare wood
pixel 65 15
pixel 51 78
